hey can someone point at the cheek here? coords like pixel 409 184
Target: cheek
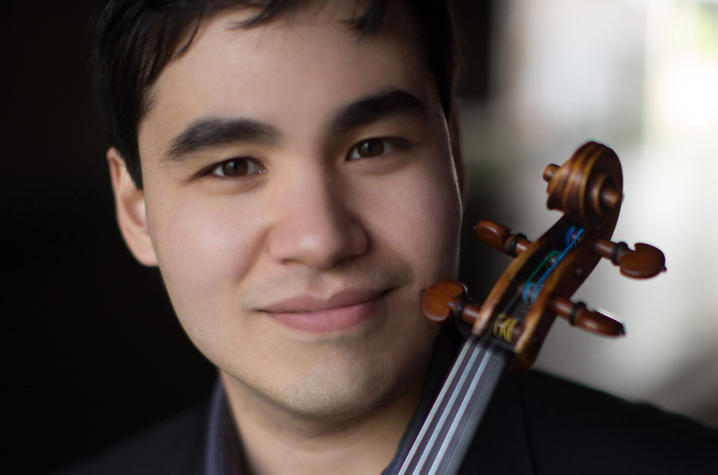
pixel 437 231
pixel 203 251
pixel 420 215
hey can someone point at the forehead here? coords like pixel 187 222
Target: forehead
pixel 296 64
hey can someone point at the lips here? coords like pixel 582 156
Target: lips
pixel 340 312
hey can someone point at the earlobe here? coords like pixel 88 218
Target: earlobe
pixel 130 210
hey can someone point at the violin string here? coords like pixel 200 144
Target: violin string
pixel 532 289
pixel 480 399
pixel 467 383
pixel 529 286
pixel 438 407
pixel 456 436
pixel 456 431
pixel 444 418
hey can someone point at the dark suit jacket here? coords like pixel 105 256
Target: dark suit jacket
pixel 536 424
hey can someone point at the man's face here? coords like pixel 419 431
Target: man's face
pixel 299 193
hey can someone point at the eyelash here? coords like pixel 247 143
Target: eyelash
pixel 392 143
pixel 251 167
pixel 358 151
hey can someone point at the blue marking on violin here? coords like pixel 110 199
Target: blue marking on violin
pixel 532 289
pixel 530 292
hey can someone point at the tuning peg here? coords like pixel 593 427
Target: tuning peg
pixel 643 262
pixel 500 238
pixel 578 315
pixel 446 298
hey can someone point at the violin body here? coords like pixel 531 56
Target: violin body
pixel 508 328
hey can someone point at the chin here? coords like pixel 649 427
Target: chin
pixel 350 388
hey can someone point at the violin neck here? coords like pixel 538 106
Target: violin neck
pixel 448 430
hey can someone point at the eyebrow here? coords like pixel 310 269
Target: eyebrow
pixel 376 107
pixel 215 131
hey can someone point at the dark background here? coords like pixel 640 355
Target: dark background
pixel 92 349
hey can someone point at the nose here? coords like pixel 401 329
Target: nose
pixel 314 225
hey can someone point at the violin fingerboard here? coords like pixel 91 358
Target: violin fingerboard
pixel 448 430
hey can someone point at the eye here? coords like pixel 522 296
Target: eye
pixel 237 167
pixel 375 147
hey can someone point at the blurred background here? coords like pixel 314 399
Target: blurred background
pixel 92 349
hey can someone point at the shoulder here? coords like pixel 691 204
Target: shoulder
pixel 174 446
pixel 568 425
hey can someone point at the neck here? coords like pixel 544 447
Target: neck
pixel 276 440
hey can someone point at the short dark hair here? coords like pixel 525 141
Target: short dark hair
pixel 136 39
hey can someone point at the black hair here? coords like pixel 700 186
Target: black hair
pixel 136 39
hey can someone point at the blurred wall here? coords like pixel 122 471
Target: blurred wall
pixel 642 77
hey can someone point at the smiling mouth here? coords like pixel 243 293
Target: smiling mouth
pixel 341 312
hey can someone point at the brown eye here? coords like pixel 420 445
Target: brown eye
pixel 237 167
pixel 370 148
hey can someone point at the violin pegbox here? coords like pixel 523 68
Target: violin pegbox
pixel 544 274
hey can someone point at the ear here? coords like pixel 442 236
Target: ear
pixel 455 142
pixel 130 210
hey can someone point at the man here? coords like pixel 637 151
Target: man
pixel 290 168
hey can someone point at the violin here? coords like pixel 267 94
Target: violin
pixel 506 331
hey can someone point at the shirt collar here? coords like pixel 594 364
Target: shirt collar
pixel 224 455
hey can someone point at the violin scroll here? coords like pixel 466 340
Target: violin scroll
pixel 588 187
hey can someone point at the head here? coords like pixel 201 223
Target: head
pixel 293 180
pixel 135 40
